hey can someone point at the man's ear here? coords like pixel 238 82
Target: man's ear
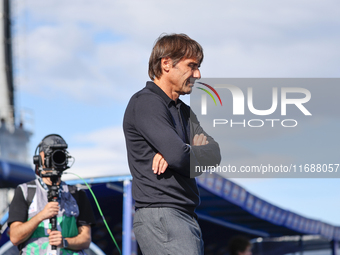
pixel 42 155
pixel 166 64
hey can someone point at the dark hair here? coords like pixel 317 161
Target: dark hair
pixel 238 244
pixel 176 47
pixel 52 139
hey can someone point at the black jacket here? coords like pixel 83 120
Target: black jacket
pixel 155 123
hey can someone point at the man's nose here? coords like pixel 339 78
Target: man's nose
pixel 197 73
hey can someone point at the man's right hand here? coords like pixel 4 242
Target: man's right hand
pixel 50 210
pixel 159 164
pixel 21 231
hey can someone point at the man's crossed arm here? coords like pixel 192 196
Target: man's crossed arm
pixel 159 164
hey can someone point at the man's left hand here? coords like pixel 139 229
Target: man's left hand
pixel 55 238
pixel 200 140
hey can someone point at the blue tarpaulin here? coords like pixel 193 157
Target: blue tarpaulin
pixel 12 174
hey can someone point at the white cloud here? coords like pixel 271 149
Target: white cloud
pixel 99 153
pixel 241 39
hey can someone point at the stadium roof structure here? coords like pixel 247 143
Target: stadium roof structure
pixel 226 210
pixel 12 174
pixel 275 230
pixel 224 200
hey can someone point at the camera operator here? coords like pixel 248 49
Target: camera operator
pixel 47 198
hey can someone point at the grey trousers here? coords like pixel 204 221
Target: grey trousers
pixel 167 231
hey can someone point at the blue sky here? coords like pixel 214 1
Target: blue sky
pixel 78 63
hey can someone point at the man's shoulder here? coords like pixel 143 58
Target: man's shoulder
pixel 145 93
pixel 24 186
pixel 73 189
pixel 32 182
pixel 144 99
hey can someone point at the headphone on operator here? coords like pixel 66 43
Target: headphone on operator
pixel 55 145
